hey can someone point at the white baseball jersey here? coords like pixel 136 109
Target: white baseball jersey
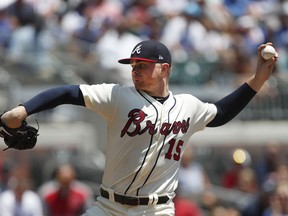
pixel 146 138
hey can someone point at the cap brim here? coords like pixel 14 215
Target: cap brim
pixel 128 60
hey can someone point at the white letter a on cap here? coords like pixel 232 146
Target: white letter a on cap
pixel 137 49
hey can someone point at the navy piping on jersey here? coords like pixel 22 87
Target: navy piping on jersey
pixel 135 176
pixel 158 156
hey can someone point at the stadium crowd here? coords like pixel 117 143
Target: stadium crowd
pixel 220 36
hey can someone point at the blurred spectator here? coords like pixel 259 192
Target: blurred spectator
pixel 19 199
pixel 189 32
pixel 5 30
pixel 65 195
pixel 48 8
pixel 85 40
pixel 171 8
pixel 185 206
pixel 231 176
pixel 140 18
pixel 278 201
pixel 219 211
pixel 237 7
pixel 193 179
pixel 232 211
pixel 28 44
pixel 99 12
pixel 259 202
pixel 208 201
pixel 6 166
pixel 23 13
pixel 107 11
pixel 251 34
pixel 247 181
pixel 217 14
pixel 88 33
pixel 282 172
pixel 219 34
pixel 52 12
pixel 22 48
pixel 106 53
pixel 268 164
pixel 225 211
pixel 195 32
pixel 198 45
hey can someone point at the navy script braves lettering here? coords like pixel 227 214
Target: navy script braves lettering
pixel 137 116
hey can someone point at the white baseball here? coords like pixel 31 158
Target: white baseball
pixel 268 52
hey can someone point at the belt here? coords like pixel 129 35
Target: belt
pixel 131 200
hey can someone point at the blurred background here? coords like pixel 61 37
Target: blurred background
pixel 237 169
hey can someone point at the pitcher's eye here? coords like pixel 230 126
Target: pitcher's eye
pixel 139 66
pixel 142 66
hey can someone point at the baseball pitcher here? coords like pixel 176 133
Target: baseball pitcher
pixel 148 128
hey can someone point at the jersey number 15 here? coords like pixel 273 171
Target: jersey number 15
pixel 174 153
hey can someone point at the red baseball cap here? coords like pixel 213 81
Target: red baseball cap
pixel 151 51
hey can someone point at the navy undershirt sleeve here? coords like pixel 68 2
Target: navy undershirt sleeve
pixel 231 105
pixel 67 94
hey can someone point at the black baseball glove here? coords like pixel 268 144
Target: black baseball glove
pixel 24 137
